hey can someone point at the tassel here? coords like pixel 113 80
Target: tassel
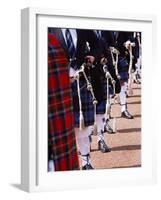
pixel 130 91
pixel 81 121
pixel 107 90
pixel 114 118
pixel 81 118
pixel 95 124
pixel 107 109
pixel 114 125
pixel 95 129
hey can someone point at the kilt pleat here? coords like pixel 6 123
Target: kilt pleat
pixel 101 108
pixel 87 104
pixel 123 67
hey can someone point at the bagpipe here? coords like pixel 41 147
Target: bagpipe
pixel 139 40
pixel 140 48
pixel 129 45
pixel 115 57
pixel 115 53
pixel 79 74
pixel 108 103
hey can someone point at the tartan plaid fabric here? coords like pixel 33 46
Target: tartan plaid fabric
pixel 123 67
pixel 61 136
pixel 101 108
pixel 87 104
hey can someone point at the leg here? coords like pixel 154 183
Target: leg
pixel 106 120
pixel 102 146
pixel 82 137
pixel 123 101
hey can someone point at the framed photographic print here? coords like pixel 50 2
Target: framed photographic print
pixel 85 100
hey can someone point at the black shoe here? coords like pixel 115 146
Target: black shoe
pixel 102 146
pixel 137 81
pixel 107 128
pixel 88 166
pixel 127 115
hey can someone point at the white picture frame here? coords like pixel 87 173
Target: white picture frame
pixel 34 176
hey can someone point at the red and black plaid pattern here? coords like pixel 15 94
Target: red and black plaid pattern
pixel 61 136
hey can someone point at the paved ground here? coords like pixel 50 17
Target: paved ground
pixel 125 144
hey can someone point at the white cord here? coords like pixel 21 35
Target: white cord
pixel 81 118
pixel 115 62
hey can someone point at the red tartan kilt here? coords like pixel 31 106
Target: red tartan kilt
pixel 61 136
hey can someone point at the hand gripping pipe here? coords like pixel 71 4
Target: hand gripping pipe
pixel 115 62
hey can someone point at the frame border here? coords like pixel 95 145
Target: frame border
pixel 29 110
